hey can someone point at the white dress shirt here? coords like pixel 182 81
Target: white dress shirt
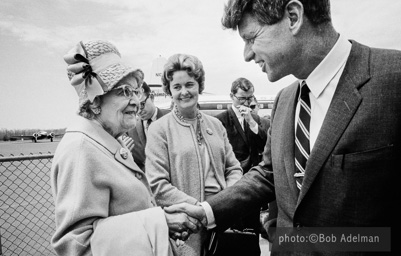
pixel 322 83
pixel 254 128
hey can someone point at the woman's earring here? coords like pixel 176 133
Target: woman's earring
pixel 97 111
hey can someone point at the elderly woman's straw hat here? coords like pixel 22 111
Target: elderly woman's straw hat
pixel 94 68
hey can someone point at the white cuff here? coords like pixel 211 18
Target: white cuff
pixel 254 128
pixel 209 215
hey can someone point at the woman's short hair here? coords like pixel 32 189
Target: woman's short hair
pixel 269 12
pixel 183 62
pixel 86 110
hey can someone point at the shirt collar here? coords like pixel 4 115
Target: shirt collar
pixel 329 67
pixel 236 111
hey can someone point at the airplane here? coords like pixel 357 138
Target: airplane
pixel 37 136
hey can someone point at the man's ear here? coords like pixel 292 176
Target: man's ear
pixel 294 12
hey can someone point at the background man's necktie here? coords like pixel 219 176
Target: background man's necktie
pixel 148 123
pixel 302 147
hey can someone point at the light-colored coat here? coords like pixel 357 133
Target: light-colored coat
pixel 103 202
pixel 173 164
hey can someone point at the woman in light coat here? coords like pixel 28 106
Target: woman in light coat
pixel 103 202
pixel 188 155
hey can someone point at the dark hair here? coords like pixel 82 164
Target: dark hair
pixel 241 83
pixel 185 62
pixel 269 12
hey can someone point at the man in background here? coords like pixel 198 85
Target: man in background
pixel 244 129
pixel 147 115
pixel 247 137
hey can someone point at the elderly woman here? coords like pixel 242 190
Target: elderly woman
pixel 103 202
pixel 188 155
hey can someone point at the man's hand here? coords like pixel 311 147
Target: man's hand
pixel 181 225
pixel 195 211
pixel 128 141
pixel 246 113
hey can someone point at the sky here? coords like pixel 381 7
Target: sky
pixel 35 92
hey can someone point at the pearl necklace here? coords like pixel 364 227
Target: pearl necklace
pixel 199 135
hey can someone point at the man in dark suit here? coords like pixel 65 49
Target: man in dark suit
pixel 147 115
pixel 353 100
pixel 244 130
pixel 247 137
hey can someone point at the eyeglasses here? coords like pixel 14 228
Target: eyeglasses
pixel 244 99
pixel 128 91
pixel 142 103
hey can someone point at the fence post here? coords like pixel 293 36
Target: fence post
pixel 1 252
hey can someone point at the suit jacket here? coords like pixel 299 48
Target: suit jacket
pixel 139 137
pixel 245 143
pixel 353 169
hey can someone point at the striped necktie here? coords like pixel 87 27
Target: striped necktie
pixel 302 147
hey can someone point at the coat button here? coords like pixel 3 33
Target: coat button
pixel 209 131
pixel 138 176
pixel 124 153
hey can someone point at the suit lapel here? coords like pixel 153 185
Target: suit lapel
pixel 140 130
pixel 288 135
pixel 343 107
pixel 237 124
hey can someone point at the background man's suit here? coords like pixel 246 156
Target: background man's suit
pixel 244 142
pixel 139 137
pixel 352 175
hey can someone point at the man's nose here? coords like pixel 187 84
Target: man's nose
pixel 248 53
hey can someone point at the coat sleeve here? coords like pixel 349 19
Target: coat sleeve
pixel 83 222
pixel 260 138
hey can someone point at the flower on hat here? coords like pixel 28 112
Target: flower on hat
pixel 94 68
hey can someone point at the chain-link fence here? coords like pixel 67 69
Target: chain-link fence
pixel 26 205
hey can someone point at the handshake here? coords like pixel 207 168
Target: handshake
pixel 184 219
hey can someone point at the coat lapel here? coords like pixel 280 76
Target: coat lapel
pixel 288 135
pixel 98 134
pixel 343 107
pixel 140 130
